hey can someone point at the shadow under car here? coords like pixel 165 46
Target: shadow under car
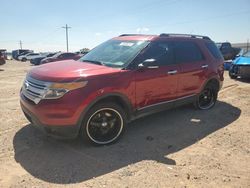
pixel 151 138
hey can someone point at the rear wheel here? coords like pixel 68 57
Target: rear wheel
pixel 103 124
pixel 207 98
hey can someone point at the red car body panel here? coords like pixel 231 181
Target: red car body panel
pixel 155 85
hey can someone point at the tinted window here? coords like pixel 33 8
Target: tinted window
pixel 160 52
pixel 186 52
pixel 50 55
pixel 214 50
pixel 226 45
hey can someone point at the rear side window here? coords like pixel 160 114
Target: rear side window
pixel 187 52
pixel 214 50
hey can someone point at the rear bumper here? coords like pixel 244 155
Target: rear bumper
pixel 66 131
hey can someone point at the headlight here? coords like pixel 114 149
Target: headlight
pixel 57 90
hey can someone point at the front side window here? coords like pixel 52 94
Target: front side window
pixel 115 53
pixel 187 52
pixel 159 52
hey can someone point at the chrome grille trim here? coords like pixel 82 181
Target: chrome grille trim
pixel 34 89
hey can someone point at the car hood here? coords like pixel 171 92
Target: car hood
pixel 242 61
pixel 69 70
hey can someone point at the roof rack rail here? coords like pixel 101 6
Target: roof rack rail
pixel 124 35
pixel 184 35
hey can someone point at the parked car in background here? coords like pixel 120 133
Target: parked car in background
pixel 60 57
pixel 227 64
pixel 227 50
pixel 37 60
pixel 9 56
pixel 16 53
pixel 2 58
pixel 241 66
pixel 125 78
pixel 3 53
pixel 28 56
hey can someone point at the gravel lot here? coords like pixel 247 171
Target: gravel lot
pixel 182 147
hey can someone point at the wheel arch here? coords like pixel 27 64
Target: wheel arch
pixel 212 81
pixel 117 98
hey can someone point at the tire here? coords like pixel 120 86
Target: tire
pixel 24 59
pixel 231 75
pixel 207 98
pixel 96 127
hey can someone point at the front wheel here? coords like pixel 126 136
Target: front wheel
pixel 207 98
pixel 231 75
pixel 103 124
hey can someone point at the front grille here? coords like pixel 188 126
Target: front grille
pixel 244 70
pixel 34 89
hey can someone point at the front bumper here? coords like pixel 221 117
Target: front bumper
pixel 240 70
pixel 60 117
pixel 66 132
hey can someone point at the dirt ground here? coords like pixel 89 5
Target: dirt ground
pixel 182 147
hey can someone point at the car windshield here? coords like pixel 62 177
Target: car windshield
pixel 50 55
pixel 56 55
pixel 247 54
pixel 115 53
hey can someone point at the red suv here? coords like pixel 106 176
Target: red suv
pixel 120 80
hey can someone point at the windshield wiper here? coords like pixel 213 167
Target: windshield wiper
pixel 94 62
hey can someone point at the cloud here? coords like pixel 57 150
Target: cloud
pixel 98 34
pixel 142 29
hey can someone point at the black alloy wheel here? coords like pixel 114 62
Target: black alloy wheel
pixel 104 124
pixel 207 98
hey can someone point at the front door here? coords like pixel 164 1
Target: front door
pixel 157 75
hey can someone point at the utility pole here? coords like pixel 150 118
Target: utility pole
pixel 247 44
pixel 67 40
pixel 21 44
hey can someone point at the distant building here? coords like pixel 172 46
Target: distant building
pixel 245 46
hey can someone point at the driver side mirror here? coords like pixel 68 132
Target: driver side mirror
pixel 148 63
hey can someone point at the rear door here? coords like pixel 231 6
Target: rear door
pixel 156 82
pixel 192 66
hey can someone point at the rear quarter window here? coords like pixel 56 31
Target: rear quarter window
pixel 214 50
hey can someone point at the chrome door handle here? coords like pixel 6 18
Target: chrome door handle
pixel 204 66
pixel 172 72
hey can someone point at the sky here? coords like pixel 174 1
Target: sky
pixel 38 23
